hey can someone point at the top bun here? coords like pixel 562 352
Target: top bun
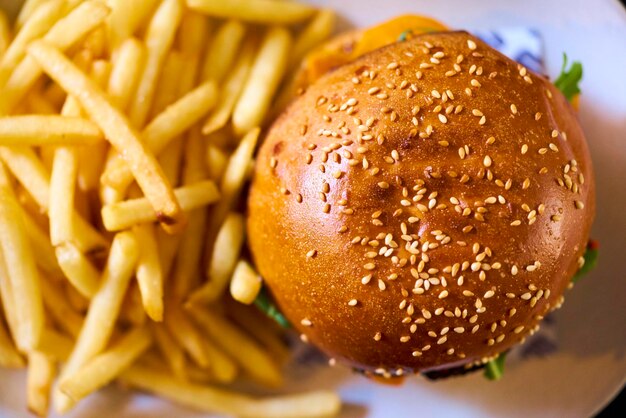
pixel 422 207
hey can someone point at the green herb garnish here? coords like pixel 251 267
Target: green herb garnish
pixel 591 259
pixel 568 80
pixel 495 368
pixel 264 304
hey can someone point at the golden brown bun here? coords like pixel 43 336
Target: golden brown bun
pixel 400 135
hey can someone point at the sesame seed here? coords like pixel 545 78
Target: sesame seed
pixel 475 83
pixel 443 118
pixel 487 161
pixel 442 340
pixel 311 254
pixel 381 285
pixel 513 109
pixel 579 204
pixel 306 322
pixel 352 302
pixel 373 90
pixel 482 121
pixel 377 336
pixel 471 44
pixel 392 66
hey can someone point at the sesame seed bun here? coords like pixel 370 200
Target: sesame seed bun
pixel 422 207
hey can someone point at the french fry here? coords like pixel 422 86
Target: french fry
pixel 91 159
pixel 41 371
pixel 194 30
pixel 127 68
pixel 30 172
pixel 27 10
pixel 185 333
pixel 132 312
pixel 62 183
pixel 55 345
pixel 260 328
pixel 5 36
pixel 149 273
pixel 40 22
pixel 77 301
pixel 265 76
pixel 7 299
pixel 142 163
pixel 103 310
pixel 222 51
pixel 168 250
pixel 223 368
pixel 171 161
pixel 57 305
pixel 66 32
pixel 223 260
pixel 209 399
pixel 245 283
pixel 168 125
pixel 126 18
pixel 22 271
pixel 9 356
pixel 252 358
pixel 171 351
pixel 216 161
pixel 315 32
pixel 233 87
pixel 159 38
pixel 105 367
pixel 231 184
pixel 169 90
pixel 125 214
pixel 257 11
pixel 36 130
pixel 187 269
pixel 46 259
pixel 78 269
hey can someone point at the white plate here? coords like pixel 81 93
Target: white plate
pixel 589 367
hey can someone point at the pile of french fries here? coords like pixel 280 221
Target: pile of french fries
pixel 127 134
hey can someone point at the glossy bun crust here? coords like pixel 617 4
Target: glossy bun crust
pixel 422 207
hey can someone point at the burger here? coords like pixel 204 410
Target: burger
pixel 420 206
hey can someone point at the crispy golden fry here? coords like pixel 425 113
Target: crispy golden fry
pixel 142 163
pixel 9 356
pixel 7 299
pixel 41 371
pixel 40 22
pixel 315 32
pixel 209 399
pixel 171 351
pixel 223 368
pixel 149 273
pixel 217 160
pixel 48 130
pixel 5 36
pixel 125 214
pixel 66 32
pixel 173 121
pixel 158 39
pixel 62 183
pixel 127 68
pixel 105 367
pixel 91 159
pixel 233 87
pixel 222 51
pixel 265 76
pixel 22 271
pixel 192 38
pixel 171 160
pixel 257 11
pixel 55 345
pixel 40 242
pixel 231 183
pixel 261 328
pixel 30 172
pixel 185 333
pixel 186 274
pixel 223 260
pixel 59 308
pixel 127 17
pixel 27 10
pixel 169 89
pixel 133 312
pixel 252 358
pixel 78 269
pixel 245 283
pixel 103 310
